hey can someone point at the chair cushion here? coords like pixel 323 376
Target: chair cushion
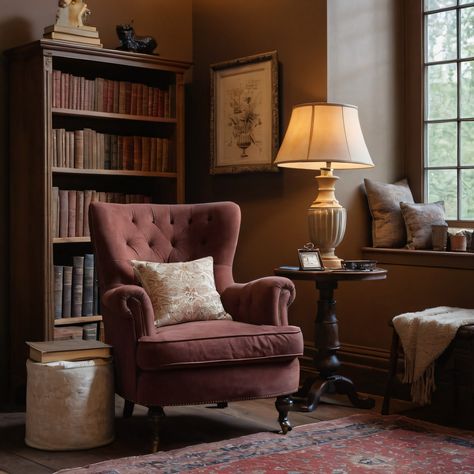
pixel 204 343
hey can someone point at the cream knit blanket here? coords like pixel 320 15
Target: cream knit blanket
pixel 424 336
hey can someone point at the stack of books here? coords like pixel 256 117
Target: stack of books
pixel 73 349
pixel 84 34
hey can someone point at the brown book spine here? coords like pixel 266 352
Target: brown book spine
pixel 115 101
pixel 161 103
pixel 127 153
pixel 54 145
pixel 122 97
pixel 165 166
pixel 58 291
pixel 145 91
pixel 55 212
pixel 56 88
pixel 67 291
pixel 79 149
pixel 159 154
pixel 146 153
pixel 155 101
pixel 63 212
pixel 137 153
pixel 153 154
pixel 71 232
pixel 79 213
pixel 87 202
pixel 82 93
pixel 88 287
pixel 140 99
pixel 77 285
pixel 134 98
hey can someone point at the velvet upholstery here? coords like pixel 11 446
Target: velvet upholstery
pixel 253 356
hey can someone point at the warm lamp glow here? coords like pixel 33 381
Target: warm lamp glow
pixel 324 136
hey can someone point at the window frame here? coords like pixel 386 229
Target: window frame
pixel 458 119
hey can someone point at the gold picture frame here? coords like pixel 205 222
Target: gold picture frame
pixel 244 114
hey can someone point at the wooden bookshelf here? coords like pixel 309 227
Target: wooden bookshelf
pixel 37 112
pixel 110 115
pixel 77 320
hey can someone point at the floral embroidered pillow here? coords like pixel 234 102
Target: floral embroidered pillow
pixel 182 291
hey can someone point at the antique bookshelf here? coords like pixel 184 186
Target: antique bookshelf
pixel 60 89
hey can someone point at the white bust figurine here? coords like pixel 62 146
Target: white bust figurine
pixel 71 13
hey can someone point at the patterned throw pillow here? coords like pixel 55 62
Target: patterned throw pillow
pixel 388 228
pixel 418 220
pixel 181 292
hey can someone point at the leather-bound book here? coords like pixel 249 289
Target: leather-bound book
pixel 67 291
pixel 77 285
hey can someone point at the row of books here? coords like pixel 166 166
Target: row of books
pixel 93 150
pixel 105 95
pixel 75 288
pixel 70 209
pixel 88 332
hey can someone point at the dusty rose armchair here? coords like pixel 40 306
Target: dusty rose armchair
pixel 254 355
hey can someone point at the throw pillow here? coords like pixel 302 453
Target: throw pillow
pixel 182 291
pixel 388 228
pixel 418 221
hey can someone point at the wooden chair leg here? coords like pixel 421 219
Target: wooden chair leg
pixel 283 405
pixel 392 372
pixel 155 414
pixel 128 409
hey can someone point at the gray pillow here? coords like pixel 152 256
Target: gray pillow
pixel 388 227
pixel 418 221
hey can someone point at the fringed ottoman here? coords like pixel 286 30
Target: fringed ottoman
pixel 69 405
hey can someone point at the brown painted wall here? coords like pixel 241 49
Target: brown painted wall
pixel 365 53
pixel 21 22
pixel 273 204
pixel 349 53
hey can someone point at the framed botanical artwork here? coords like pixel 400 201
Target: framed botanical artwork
pixel 244 114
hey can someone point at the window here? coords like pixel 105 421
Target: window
pixel 449 106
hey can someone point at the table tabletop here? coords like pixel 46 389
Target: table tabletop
pixel 294 273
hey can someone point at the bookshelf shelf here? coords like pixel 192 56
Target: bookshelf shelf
pixel 71 240
pixel 143 174
pixel 86 124
pixel 77 320
pixel 110 115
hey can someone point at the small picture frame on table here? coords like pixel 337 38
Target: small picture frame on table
pixel 310 258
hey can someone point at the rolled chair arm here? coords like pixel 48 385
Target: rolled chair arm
pixel 132 303
pixel 262 301
pixel 128 315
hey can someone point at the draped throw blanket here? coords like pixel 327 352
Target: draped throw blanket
pixel 424 336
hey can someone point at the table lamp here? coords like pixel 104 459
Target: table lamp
pixel 325 136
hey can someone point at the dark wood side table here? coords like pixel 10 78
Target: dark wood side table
pixel 326 337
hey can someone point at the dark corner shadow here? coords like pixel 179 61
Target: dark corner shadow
pixel 15 31
pixel 178 431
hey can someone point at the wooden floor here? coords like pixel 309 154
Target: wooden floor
pixel 182 426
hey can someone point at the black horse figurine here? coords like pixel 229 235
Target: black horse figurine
pixel 130 42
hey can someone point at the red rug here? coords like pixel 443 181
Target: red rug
pixel 356 444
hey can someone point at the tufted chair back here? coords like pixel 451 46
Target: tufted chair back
pixel 163 233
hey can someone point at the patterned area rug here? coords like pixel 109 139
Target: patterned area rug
pixel 356 444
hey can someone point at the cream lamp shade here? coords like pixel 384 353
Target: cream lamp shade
pixel 325 136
